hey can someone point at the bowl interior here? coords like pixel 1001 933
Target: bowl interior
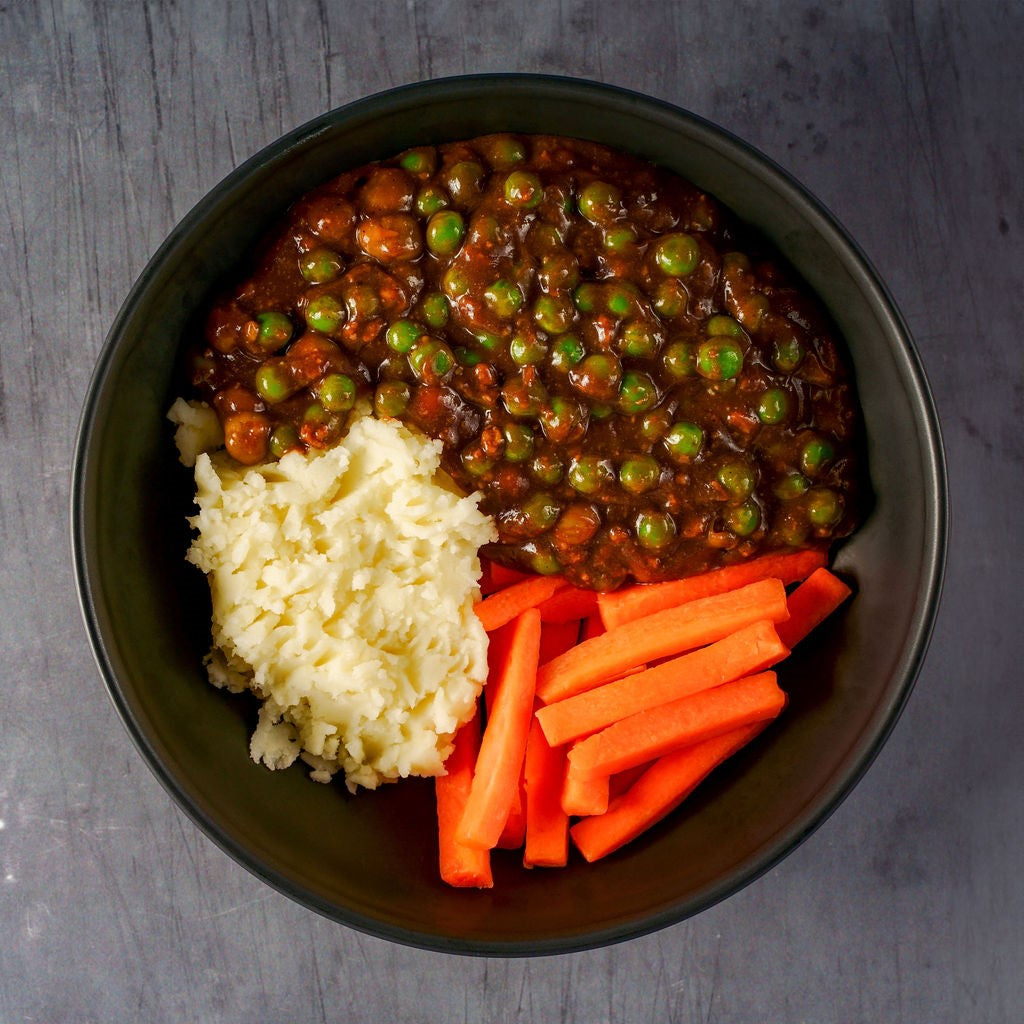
pixel 370 861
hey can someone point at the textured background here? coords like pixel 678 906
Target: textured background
pixel 906 119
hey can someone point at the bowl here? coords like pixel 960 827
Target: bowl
pixel 370 861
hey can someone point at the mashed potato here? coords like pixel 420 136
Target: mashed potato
pixel 343 586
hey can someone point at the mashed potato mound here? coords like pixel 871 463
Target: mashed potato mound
pixel 343 585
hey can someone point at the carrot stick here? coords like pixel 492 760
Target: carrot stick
pixel 811 603
pixel 671 631
pixel 569 603
pixel 742 653
pixel 498 650
pixel 502 607
pixel 460 865
pixel 634 602
pixel 592 626
pixel 557 637
pixel 503 746
pixel 547 825
pixel 584 796
pixel 662 788
pixel 649 734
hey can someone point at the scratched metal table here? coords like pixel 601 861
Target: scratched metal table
pixel 906 119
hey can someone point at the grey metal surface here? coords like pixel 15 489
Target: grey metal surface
pixel 907 120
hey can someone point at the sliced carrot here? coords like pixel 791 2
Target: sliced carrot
pixel 460 865
pixel 811 603
pixel 592 627
pixel 568 604
pixel 748 650
pixel 556 638
pixel 584 795
pixel 671 631
pixel 499 648
pixel 662 788
pixel 547 825
pixel 650 734
pixel 629 603
pixel 502 607
pixel 503 746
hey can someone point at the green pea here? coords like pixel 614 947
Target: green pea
pixel 476 461
pixel 738 480
pixel 526 349
pixel 540 512
pixel 465 180
pixel 655 530
pixel 721 325
pixel 505 150
pixel 283 438
pixel 794 531
pixel 429 200
pixel 587 297
pixel 743 519
pixel 325 314
pixel 773 406
pixel 391 399
pixel 677 254
pixel 485 231
pixel 639 474
pixel 318 266
pixel 600 202
pixel 432 361
pixel 273 383
pixel 487 340
pixel 523 189
pixel 435 309
pixel 599 375
pixel 680 359
pixel 402 335
pixel 791 486
pixel 558 270
pixel 519 442
pixel 562 420
pixel 275 331
pixel 547 468
pixel 684 440
pixel 670 298
pixel 337 392
pixel 455 282
pixel 419 161
pixel 637 393
pixel 638 339
pixel 815 455
pixel 824 506
pixel 520 399
pixel 467 357
pixel 621 299
pixel 567 350
pixel 589 473
pixel 619 238
pixel 445 231
pixel 503 297
pixel 787 354
pixel 601 411
pixel 552 314
pixel 545 563
pixel 720 358
pixel 655 424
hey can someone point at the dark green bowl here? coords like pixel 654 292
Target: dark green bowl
pixel 370 861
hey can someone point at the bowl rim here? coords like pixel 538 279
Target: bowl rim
pixel 933 457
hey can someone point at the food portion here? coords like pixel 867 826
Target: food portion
pixel 578 366
pixel 594 731
pixel 343 584
pixel 636 388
